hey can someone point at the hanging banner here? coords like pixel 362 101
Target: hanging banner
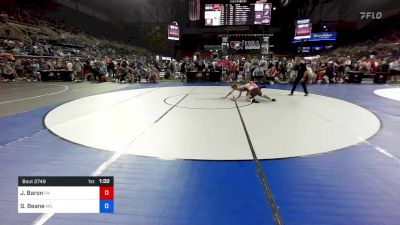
pixel 245 45
pixel 173 32
pixel 194 10
pixel 265 46
pixel 303 29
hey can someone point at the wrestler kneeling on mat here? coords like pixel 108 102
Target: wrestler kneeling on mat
pixel 251 89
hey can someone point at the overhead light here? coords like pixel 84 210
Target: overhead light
pixel 273 8
pixel 285 3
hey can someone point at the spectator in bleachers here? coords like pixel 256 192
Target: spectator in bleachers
pixel 35 71
pixel 341 68
pixel 123 73
pixel 78 70
pixel 70 66
pixel 349 65
pixel 182 69
pixel 395 70
pixel 50 65
pixel 70 69
pixel 258 73
pixel 136 75
pixel 384 65
pixel 19 67
pixel 143 72
pixel 95 70
pixel 129 75
pixel 291 72
pixel 8 72
pixel 311 74
pixel 247 70
pixel 87 70
pixel 271 74
pixel 373 64
pixel 102 70
pixel 282 69
pixel 110 68
pixel 330 72
pixel 364 65
pixel 154 74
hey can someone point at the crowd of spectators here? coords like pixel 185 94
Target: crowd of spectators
pixel 89 64
pixel 25 61
pixel 100 62
pixel 321 69
pixel 99 69
pixel 29 56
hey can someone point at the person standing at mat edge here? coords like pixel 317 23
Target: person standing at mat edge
pixel 300 67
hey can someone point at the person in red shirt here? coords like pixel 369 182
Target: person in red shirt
pixel 374 64
pixel 251 89
pixel 271 74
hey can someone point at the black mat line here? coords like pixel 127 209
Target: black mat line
pixel 171 108
pixel 186 107
pixel 263 178
pixel 162 116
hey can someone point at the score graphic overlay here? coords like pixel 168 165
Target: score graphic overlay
pixel 65 194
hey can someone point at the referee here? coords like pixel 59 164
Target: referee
pixel 300 67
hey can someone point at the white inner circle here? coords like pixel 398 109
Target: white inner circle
pixel 130 121
pixel 392 93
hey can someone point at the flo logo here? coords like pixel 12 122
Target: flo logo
pixel 371 15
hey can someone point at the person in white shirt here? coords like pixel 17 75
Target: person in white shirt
pixel 70 68
pixel 311 74
pixel 247 70
pixel 292 73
